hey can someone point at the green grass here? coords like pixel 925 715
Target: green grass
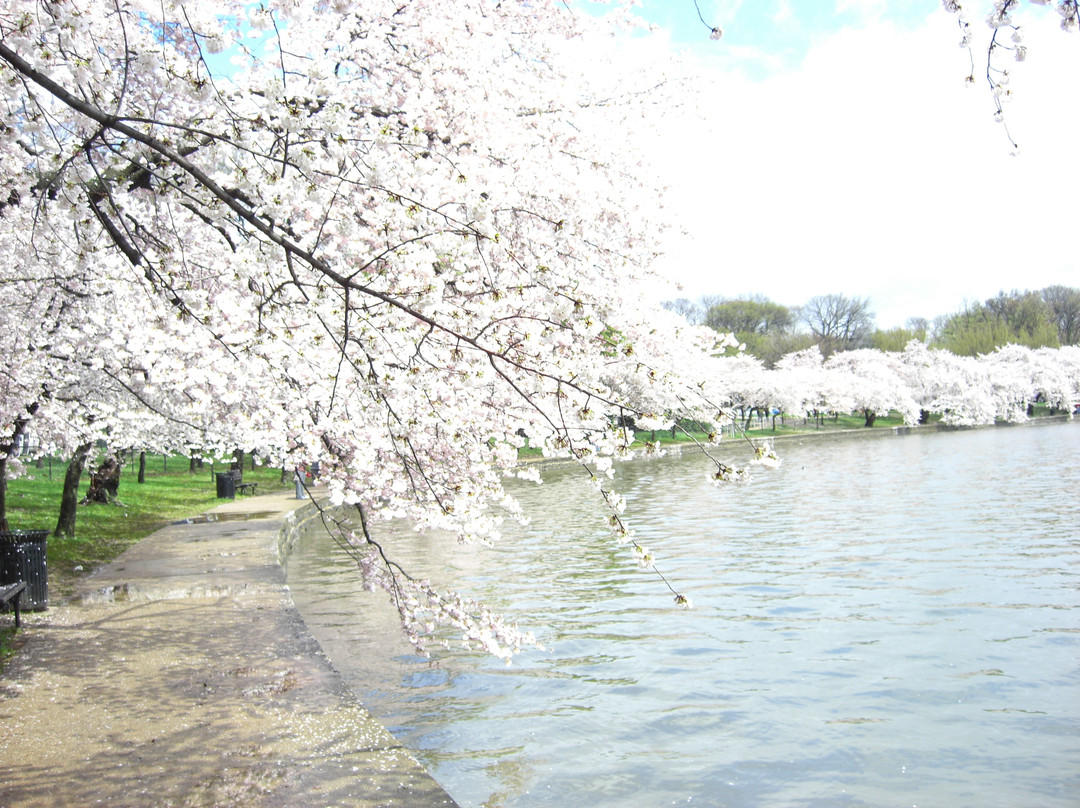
pixel 8 644
pixel 764 427
pixel 759 428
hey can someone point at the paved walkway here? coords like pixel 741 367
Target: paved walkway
pixel 183 677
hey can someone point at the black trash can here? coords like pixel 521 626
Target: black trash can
pixel 22 558
pixel 226 485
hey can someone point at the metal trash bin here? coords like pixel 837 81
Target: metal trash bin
pixel 226 485
pixel 23 558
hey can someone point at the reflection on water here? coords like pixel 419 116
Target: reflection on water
pixel 876 623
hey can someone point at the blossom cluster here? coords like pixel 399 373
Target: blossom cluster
pixel 393 239
pixel 1006 36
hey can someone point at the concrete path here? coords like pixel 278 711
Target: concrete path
pixel 183 677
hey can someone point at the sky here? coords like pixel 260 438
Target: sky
pixel 835 148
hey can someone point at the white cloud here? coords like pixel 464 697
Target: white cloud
pixel 874 171
pixel 866 10
pixel 783 13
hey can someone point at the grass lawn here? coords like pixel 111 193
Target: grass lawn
pixel 759 428
pixel 764 427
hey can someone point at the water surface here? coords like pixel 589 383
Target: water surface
pixel 885 622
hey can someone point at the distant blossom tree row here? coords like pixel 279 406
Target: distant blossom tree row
pixel 915 382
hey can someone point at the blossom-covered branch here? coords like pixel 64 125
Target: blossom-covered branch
pixel 392 239
pixel 1006 37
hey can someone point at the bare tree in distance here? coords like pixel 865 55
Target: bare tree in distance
pixel 685 308
pixel 1064 305
pixel 920 325
pixel 838 322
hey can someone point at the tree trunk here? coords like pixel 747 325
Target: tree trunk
pixel 870 416
pixel 142 467
pixel 238 460
pixel 104 483
pixel 65 524
pixel 7 452
pixel 3 491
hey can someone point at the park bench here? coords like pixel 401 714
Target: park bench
pixel 238 482
pixel 10 593
pixel 231 482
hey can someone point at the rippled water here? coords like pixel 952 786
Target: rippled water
pixel 885 622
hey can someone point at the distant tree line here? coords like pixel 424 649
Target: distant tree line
pixel 835 322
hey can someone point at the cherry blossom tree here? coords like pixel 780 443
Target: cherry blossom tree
pixel 391 238
pixel 1055 377
pixel 800 381
pixel 741 382
pixel 872 384
pixel 43 308
pixel 1021 376
pixel 1067 358
pixel 956 387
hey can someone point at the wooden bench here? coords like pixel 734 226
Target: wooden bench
pixel 238 482
pixel 10 593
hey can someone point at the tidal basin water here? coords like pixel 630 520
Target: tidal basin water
pixel 883 622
